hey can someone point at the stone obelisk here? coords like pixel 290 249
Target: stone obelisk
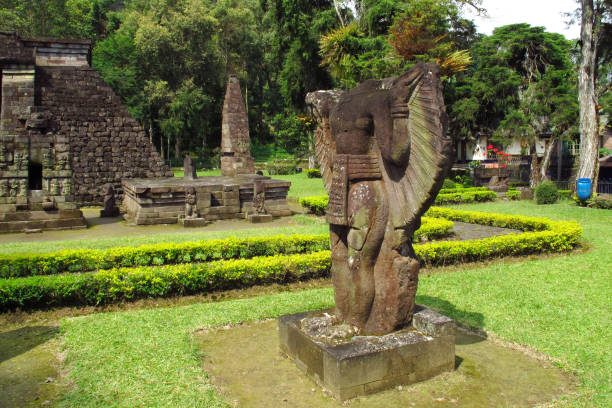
pixel 235 141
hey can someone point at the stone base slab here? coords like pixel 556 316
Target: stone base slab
pixel 259 218
pixel 22 221
pixel 110 213
pixel 193 222
pixel 368 364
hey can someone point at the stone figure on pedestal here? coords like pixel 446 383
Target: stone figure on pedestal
pixel 189 169
pixel 383 153
pixel 191 210
pixel 110 205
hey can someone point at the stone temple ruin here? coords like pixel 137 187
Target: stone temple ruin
pixel 64 134
pixel 237 193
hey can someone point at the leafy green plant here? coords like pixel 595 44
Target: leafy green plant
pixel 466 197
pixel 513 195
pixel 281 167
pixel 546 193
pixel 315 204
pixel 313 173
pixel 448 184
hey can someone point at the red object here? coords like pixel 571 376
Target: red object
pixel 489 147
pixel 505 165
pixel 508 159
pixel 494 150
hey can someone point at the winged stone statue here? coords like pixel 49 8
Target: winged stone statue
pixel 383 153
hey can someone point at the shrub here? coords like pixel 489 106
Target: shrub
pixel 448 183
pixel 133 283
pixel 315 204
pixel 281 168
pixel 466 197
pixel 433 228
pixel 313 173
pixel 565 194
pixel 165 253
pixel 546 193
pixel 460 189
pixel 513 195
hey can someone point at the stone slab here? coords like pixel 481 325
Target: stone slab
pixel 259 218
pixel 194 222
pixel 114 212
pixel 368 364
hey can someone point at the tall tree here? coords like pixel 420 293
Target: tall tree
pixel 595 32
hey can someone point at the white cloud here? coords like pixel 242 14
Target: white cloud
pixel 546 13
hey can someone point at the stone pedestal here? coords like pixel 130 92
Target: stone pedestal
pixel 193 222
pixel 259 218
pixel 363 365
pixel 113 212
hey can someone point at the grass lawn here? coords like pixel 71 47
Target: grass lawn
pixel 301 185
pixel 558 305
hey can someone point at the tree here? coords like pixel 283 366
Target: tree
pixel 519 88
pixel 595 32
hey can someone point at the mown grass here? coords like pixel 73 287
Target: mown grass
pixel 559 305
pixel 302 225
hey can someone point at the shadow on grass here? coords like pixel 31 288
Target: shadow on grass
pixel 19 341
pixel 472 321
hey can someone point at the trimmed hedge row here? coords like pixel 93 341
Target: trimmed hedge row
pixel 17 265
pixel 461 190
pixel 21 265
pixel 315 204
pixel 466 197
pixel 131 283
pixel 119 284
pixel 541 236
pixel 513 195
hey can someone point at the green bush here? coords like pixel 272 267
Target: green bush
pixel 315 204
pixel 448 183
pixel 158 281
pixel 466 197
pixel 460 189
pixel 165 253
pixel 281 168
pixel 565 194
pixel 546 193
pixel 117 284
pixel 594 202
pixel 313 173
pixel 433 228
pixel 513 195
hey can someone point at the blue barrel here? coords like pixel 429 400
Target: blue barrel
pixel 583 188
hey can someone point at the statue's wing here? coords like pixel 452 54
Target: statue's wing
pixel 321 104
pixel 430 150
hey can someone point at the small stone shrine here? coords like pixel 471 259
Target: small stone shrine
pixel 195 201
pixel 110 205
pixel 63 134
pixel 235 140
pixel 384 153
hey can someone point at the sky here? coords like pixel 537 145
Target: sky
pixel 546 13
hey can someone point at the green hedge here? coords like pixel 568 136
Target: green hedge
pixel 565 194
pixel 462 190
pixel 313 173
pixel 19 265
pixel 315 204
pixel 513 195
pixel 541 236
pixel 433 228
pixel 466 197
pixel 119 284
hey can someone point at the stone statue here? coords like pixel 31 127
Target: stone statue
pixel 259 198
pixel 23 188
pixel 4 188
pixel 17 161
pixel 54 187
pixel 384 154
pixel 189 169
pixel 110 205
pixel 191 211
pixel 3 156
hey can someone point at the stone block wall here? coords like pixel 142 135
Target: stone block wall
pixel 106 143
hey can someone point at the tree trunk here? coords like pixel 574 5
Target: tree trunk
pixel 546 159
pixel 177 147
pixel 589 140
pixel 534 171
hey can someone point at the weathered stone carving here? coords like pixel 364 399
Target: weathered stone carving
pixel 259 199
pixel 47 161
pixel 235 141
pixel 23 188
pixel 110 205
pixel 189 169
pixel 383 153
pixel 62 163
pixel 4 188
pixel 17 160
pixel 67 187
pixel 3 156
pixel 191 210
pixel 54 187
pixel 14 185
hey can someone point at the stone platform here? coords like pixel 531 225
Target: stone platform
pixel 162 200
pixel 22 221
pixel 360 365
